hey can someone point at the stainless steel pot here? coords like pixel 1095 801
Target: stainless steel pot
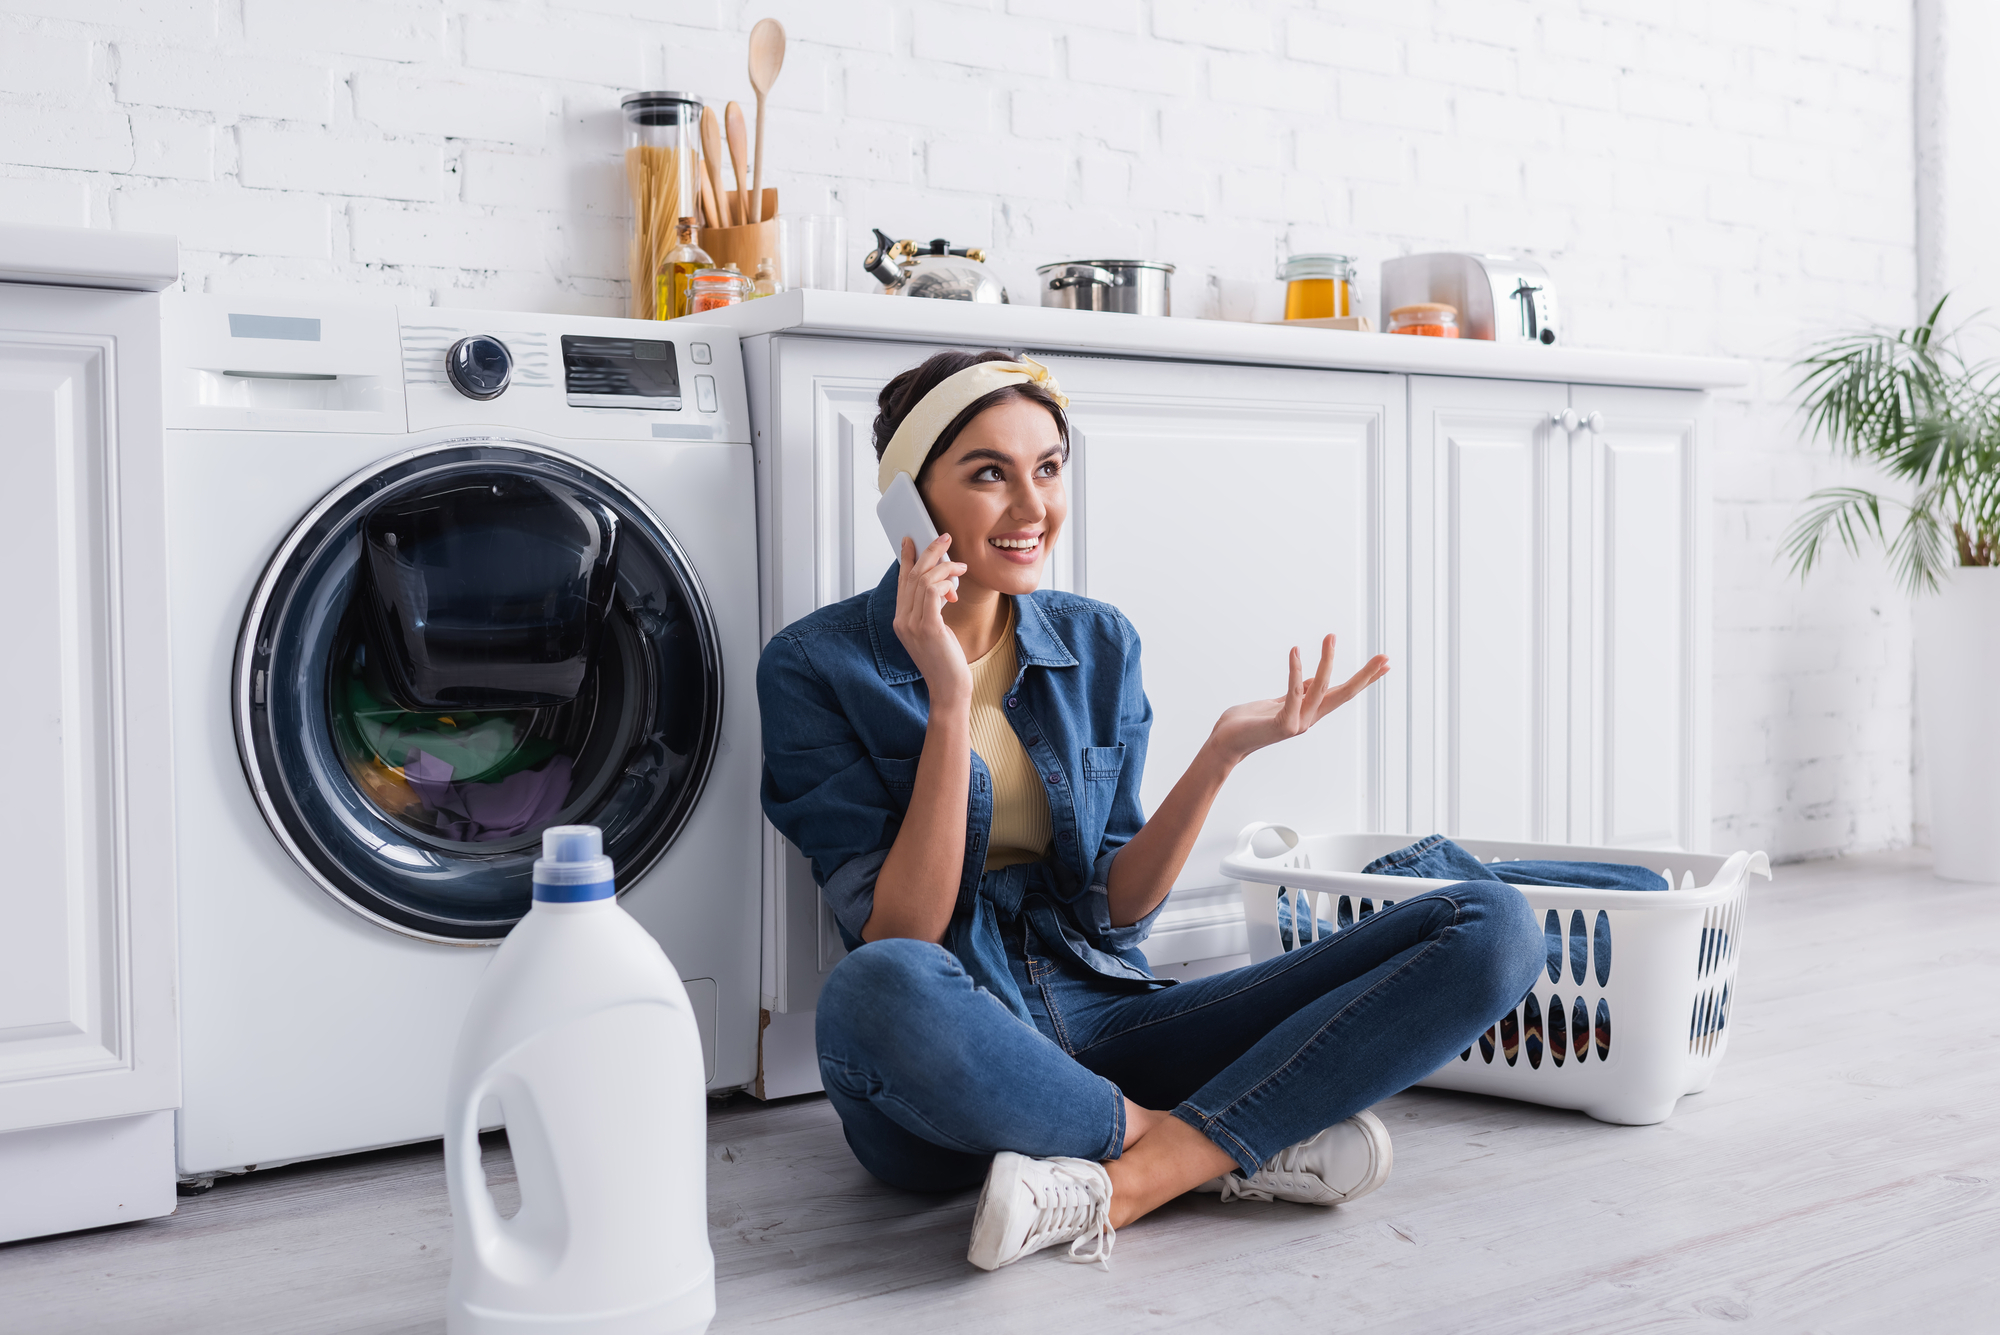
pixel 1135 287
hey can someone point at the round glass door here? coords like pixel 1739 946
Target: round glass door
pixel 455 651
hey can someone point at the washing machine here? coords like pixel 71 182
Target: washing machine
pixel 440 579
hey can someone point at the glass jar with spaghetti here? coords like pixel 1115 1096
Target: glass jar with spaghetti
pixel 662 155
pixel 1318 287
pixel 1432 319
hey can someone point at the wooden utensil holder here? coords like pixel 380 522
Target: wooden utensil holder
pixel 745 245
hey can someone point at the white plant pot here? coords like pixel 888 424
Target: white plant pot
pixel 1958 705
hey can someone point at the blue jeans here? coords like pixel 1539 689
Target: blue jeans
pixel 1436 858
pixel 932 1075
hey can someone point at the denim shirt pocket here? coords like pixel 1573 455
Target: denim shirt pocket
pixel 1103 762
pixel 898 776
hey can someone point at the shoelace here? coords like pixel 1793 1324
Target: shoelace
pixel 1076 1204
pixel 1282 1173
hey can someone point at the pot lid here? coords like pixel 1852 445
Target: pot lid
pixel 1106 264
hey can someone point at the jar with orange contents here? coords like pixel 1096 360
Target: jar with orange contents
pixel 1432 319
pixel 1318 287
pixel 712 289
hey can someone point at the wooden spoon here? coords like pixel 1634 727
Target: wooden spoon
pixel 711 152
pixel 767 57
pixel 739 155
pixel 711 208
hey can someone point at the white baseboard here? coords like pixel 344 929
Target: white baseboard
pixel 58 1179
pixel 1198 924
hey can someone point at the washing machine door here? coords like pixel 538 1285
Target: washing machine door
pixel 457 649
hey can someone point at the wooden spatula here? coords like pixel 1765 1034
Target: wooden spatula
pixel 767 57
pixel 739 156
pixel 711 153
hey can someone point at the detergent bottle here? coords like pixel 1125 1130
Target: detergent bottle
pixel 582 1036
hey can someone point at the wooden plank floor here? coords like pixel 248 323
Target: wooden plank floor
pixel 1841 1174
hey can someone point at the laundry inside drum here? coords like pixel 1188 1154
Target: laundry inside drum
pixel 475 776
pixel 480 648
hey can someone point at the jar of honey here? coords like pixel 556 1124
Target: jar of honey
pixel 1318 287
pixel 1433 319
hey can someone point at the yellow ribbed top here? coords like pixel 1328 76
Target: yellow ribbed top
pixel 1020 803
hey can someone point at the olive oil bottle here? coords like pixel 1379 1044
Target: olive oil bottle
pixel 677 269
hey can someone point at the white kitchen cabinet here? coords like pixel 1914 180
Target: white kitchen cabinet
pixel 1558 631
pixel 1641 619
pixel 1490 608
pixel 1232 512
pixel 89 1044
pixel 818 543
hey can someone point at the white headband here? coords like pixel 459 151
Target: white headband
pixel 911 444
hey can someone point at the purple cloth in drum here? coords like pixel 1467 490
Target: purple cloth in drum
pixel 479 813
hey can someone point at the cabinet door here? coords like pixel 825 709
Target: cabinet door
pixel 1640 638
pixel 87 951
pixel 1231 513
pixel 819 542
pixel 1490 625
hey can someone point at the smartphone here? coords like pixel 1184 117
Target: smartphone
pixel 903 515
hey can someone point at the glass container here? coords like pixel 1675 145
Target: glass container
pixel 677 269
pixel 1432 319
pixel 766 283
pixel 1318 287
pixel 662 157
pixel 818 258
pixel 712 289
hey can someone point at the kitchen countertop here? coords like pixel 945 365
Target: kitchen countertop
pixel 1049 329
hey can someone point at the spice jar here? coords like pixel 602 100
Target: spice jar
pixel 661 158
pixel 712 289
pixel 1432 319
pixel 1318 287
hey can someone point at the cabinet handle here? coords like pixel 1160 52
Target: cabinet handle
pixel 1595 421
pixel 1566 419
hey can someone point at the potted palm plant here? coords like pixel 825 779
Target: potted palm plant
pixel 1907 402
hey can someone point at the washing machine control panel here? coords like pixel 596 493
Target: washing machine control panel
pixel 575 376
pixel 239 363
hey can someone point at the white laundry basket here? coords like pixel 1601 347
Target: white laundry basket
pixel 1633 1008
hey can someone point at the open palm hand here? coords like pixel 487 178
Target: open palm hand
pixel 1250 727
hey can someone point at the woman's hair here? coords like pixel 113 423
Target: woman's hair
pixel 900 397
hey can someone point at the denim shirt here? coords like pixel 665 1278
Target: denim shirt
pixel 844 712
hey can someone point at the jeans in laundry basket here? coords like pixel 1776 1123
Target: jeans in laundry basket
pixel 1438 859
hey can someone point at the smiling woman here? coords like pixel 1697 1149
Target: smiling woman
pixel 959 753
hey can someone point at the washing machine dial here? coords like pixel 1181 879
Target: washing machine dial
pixel 479 367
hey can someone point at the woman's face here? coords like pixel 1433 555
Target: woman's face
pixel 998 491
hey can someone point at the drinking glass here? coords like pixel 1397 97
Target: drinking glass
pixel 818 252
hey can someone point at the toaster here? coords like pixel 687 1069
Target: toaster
pixel 1499 297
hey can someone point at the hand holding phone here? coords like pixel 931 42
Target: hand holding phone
pixel 904 515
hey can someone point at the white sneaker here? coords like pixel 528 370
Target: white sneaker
pixel 1029 1204
pixel 1342 1163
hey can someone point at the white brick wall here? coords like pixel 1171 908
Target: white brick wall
pixel 1700 177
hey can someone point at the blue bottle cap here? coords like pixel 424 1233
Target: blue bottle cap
pixel 572 868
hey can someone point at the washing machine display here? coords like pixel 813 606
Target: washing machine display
pixel 620 373
pixel 456 650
